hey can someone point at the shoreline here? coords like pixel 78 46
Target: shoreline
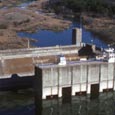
pixel 104 27
pixel 29 19
pixel 34 18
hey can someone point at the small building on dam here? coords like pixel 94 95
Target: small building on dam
pixel 78 78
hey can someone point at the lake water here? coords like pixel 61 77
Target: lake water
pixel 23 104
pixel 51 38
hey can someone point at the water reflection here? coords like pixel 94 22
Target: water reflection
pixel 23 104
pixel 105 105
pixel 17 103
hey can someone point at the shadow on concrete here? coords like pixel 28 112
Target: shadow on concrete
pixel 16 82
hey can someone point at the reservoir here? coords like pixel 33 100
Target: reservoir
pixel 51 38
pixel 22 104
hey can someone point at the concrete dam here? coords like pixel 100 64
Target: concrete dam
pixel 23 68
pixel 17 66
pixel 55 81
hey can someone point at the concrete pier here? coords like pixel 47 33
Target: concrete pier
pixel 77 37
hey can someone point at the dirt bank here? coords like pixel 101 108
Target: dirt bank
pixel 101 26
pixel 29 19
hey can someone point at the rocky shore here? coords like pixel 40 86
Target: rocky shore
pixel 29 19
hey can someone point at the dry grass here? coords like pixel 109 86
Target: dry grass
pixel 28 20
pixel 102 26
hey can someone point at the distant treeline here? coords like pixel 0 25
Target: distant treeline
pixel 96 6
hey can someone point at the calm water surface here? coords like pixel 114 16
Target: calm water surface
pixel 22 104
pixel 51 38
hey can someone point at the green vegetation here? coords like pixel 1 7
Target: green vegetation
pixel 96 6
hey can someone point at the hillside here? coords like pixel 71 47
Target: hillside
pixel 14 19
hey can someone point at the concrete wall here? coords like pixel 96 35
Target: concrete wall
pixel 78 76
pixel 77 36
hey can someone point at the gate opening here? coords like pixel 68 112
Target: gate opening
pixel 66 95
pixel 94 91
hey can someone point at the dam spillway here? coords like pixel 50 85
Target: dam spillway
pixel 80 78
